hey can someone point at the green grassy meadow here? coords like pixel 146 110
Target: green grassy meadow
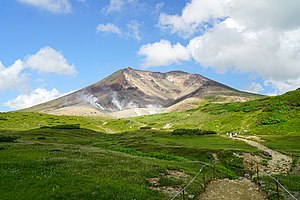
pixel 70 157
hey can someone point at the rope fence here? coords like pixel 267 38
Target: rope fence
pixel 257 170
pixel 278 183
pixel 182 190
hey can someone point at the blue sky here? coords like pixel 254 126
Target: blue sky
pixel 51 47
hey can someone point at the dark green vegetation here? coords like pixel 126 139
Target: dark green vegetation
pixel 67 157
pixel 192 132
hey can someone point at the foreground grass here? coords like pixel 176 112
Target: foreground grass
pixel 45 172
pixel 55 163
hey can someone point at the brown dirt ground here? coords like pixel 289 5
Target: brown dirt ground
pixel 225 189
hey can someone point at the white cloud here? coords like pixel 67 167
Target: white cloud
pixel 255 87
pixel 258 36
pixel 268 53
pixel 12 77
pixel 134 30
pixel 284 85
pixel 193 17
pixel 119 5
pixel 163 53
pixel 114 6
pixel 255 14
pixel 39 95
pixel 109 28
pixel 46 60
pixel 54 6
pixel 158 7
pixel 49 60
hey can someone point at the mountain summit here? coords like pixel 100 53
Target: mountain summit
pixel 130 92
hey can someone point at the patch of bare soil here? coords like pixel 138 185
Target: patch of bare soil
pixel 177 174
pixel 132 112
pixel 168 190
pixel 167 126
pixel 75 111
pixel 251 162
pixel 186 104
pixel 225 189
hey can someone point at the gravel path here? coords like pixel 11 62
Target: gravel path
pixel 244 189
pixel 278 164
pixel 225 189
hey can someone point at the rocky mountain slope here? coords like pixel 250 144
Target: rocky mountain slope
pixel 129 92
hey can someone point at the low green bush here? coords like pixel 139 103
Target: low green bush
pixel 64 126
pixel 273 119
pixel 145 127
pixel 192 132
pixel 7 138
pixel 170 181
pixel 3 118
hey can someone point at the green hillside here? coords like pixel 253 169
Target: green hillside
pixel 70 157
pixel 268 115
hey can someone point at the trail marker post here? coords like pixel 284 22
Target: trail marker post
pixel 277 189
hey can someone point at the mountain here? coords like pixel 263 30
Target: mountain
pixel 130 92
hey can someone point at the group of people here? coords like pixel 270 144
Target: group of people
pixel 232 134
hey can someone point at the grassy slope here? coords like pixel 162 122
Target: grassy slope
pixel 87 164
pixel 59 163
pixel 276 119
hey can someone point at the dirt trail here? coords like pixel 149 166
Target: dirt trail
pixel 278 164
pixel 225 189
pixel 244 189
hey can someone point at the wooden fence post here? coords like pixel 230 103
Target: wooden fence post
pixel 204 178
pixel 277 189
pixel 214 173
pixel 257 173
pixel 183 194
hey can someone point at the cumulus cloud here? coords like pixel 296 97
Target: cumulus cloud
pixel 39 95
pixel 163 53
pixel 54 6
pixel 13 77
pixel 194 17
pixel 259 36
pixel 49 60
pixel 109 28
pixel 46 60
pixel 256 14
pixel 270 54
